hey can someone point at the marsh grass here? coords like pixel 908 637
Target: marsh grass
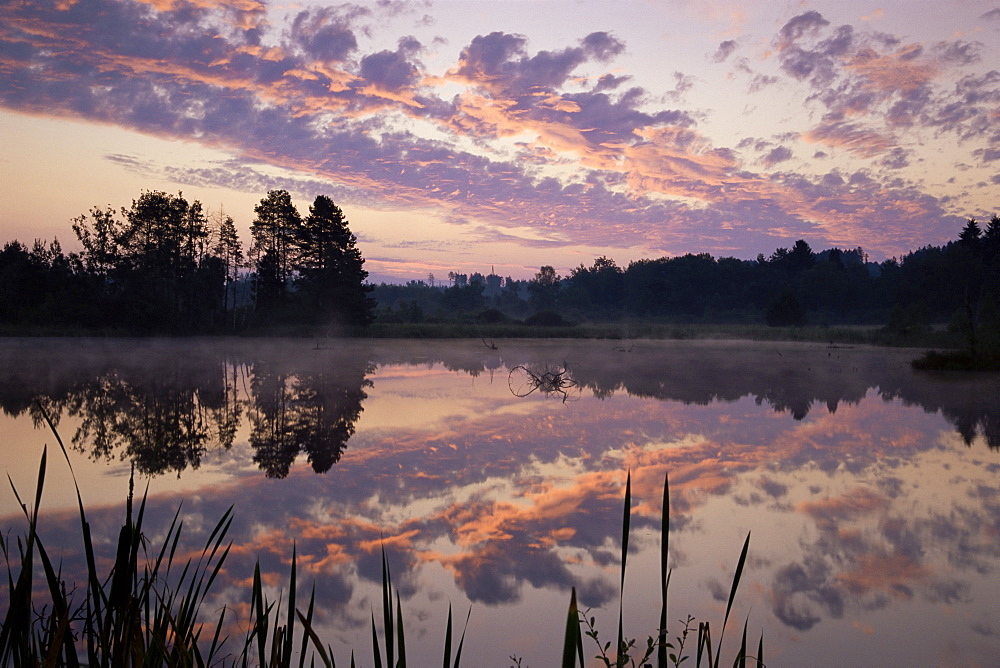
pixel 626 653
pixel 640 329
pixel 143 612
pixel 147 610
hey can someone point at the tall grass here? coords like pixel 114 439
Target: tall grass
pixel 667 653
pixel 144 612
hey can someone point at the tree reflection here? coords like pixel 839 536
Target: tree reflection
pixel 791 380
pixel 165 405
pixel 164 410
pixel 160 419
pixel 159 428
pixel 306 412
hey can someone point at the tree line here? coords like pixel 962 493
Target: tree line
pixel 957 284
pixel 163 266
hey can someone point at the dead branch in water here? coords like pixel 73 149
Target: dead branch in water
pixel 548 380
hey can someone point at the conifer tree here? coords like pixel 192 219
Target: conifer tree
pixel 331 274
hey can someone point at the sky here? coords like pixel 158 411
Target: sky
pixel 471 135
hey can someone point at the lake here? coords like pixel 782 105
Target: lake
pixel 494 480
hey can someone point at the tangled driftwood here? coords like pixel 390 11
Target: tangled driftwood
pixel 523 380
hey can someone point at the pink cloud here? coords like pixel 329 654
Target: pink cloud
pixel 587 159
pixel 852 137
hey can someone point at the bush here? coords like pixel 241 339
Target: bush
pixel 546 319
pixel 786 311
pixel 492 316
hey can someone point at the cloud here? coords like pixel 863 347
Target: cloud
pixel 795 28
pixel 853 137
pixel 725 50
pixel 773 488
pixel 557 141
pixel 864 78
pixel 610 82
pixel 799 589
pixel 898 158
pixel 391 70
pixel 324 34
pixel 500 62
pixel 987 154
pixel 903 71
pixel 959 52
pixel 776 155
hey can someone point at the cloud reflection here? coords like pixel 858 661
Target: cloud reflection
pixel 511 495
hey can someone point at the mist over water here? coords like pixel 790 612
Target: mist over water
pixel 869 489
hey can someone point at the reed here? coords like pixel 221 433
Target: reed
pixel 144 612
pixel 667 653
pixel 131 617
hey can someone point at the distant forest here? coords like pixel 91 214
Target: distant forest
pixel 162 266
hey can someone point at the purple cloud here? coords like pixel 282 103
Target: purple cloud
pixel 500 61
pixel 959 52
pixel 725 50
pixel 310 99
pixel 392 70
pixel 817 63
pixel 610 82
pixel 324 35
pixel 898 158
pixel 807 23
pixel 776 155
pixel 987 154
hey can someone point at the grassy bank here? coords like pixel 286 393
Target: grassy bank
pixel 613 330
pixel 652 330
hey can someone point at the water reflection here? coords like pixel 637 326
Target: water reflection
pixel 869 516
pixel 163 405
pixel 295 410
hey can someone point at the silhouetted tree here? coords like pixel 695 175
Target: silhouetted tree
pixel 465 298
pixel 149 264
pixel 99 234
pixel 229 251
pixel 991 239
pixel 331 274
pixel 274 231
pixel 598 287
pixel 786 311
pixel 544 289
pixel 801 256
pixel 970 234
pixel 974 266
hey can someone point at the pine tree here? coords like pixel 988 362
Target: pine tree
pixel 274 231
pixel 331 274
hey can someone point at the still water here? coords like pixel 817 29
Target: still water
pixel 870 491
